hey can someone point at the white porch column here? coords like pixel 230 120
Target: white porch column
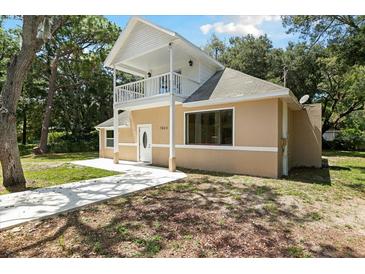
pixel 172 157
pixel 115 123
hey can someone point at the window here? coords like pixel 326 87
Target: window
pixel 109 138
pixel 209 127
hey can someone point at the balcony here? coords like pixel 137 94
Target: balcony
pixel 153 86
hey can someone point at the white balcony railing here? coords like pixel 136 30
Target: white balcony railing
pixel 156 85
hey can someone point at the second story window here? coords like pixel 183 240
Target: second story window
pixel 209 127
pixel 109 140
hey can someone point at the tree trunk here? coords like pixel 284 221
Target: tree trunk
pixel 48 110
pixel 13 176
pixel 24 135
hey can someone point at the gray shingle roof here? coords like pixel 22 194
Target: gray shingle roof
pixel 123 120
pixel 230 83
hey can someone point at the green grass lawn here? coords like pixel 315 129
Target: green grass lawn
pixel 54 169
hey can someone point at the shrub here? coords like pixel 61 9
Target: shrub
pixel 350 139
pixel 26 149
pixel 61 142
pixel 56 136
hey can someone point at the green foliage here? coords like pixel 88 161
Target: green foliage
pixel 314 216
pixel 122 230
pixel 26 149
pixel 62 142
pixel 349 139
pixel 328 65
pixel 344 34
pixel 151 245
pixel 215 47
pixel 9 45
pixel 297 252
pixel 304 73
pixel 341 91
pixel 249 54
pixel 97 247
pixel 83 96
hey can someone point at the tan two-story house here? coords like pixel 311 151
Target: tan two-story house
pixel 191 111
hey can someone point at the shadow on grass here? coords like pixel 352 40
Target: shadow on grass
pixel 336 153
pixel 360 168
pixel 312 175
pixel 360 187
pixel 66 156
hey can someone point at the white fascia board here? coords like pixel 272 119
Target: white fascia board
pixel 164 30
pixel 277 94
pixel 131 70
pixel 118 44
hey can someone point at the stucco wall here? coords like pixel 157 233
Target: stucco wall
pixel 306 132
pixel 237 162
pixel 104 152
pixel 256 125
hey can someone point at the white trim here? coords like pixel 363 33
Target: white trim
pixel 214 109
pixel 161 145
pixel 128 144
pixel 129 69
pixel 154 101
pixel 281 93
pixel 111 127
pixel 106 138
pixel 144 125
pixel 221 147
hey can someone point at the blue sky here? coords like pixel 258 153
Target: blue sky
pixel 223 26
pixel 198 29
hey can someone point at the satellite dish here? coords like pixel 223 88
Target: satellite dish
pixel 304 99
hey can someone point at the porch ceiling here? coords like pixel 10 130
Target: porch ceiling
pixel 158 61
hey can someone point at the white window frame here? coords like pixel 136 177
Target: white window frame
pixel 106 138
pixel 210 110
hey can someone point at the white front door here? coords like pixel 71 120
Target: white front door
pixel 145 143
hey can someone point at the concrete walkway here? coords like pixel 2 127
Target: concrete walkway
pixel 21 207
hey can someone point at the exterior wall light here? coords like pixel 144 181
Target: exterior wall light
pixel 190 63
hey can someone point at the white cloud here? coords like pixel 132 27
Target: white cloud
pixel 241 25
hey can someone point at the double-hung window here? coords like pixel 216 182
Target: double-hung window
pixel 109 138
pixel 209 127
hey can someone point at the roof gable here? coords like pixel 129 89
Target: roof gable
pixel 140 37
